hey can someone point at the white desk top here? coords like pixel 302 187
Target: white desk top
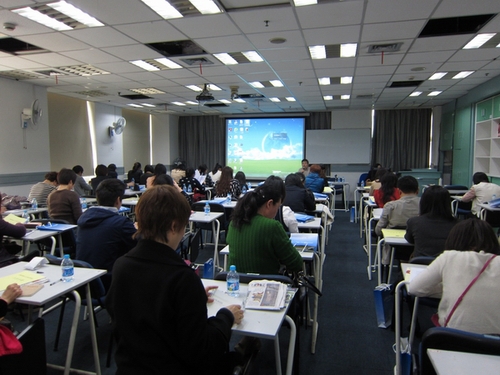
pixel 452 363
pixel 28 210
pixel 486 206
pixel 257 323
pixel 306 255
pixel 200 217
pixel 130 201
pixel 222 201
pixel 37 235
pixel 53 273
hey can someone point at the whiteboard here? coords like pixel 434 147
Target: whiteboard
pixel 338 146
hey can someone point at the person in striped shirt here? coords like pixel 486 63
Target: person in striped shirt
pixel 41 190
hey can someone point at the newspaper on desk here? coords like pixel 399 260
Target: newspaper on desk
pixel 266 295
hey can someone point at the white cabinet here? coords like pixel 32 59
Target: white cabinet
pixel 487 139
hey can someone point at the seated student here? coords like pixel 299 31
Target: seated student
pixel 215 173
pixel 158 305
pixel 135 173
pixel 314 181
pixel 396 213
pixel 101 174
pixel 41 190
pixel 148 172
pixel 64 203
pixel 298 198
pixel 430 229
pixel 305 167
pixel 242 179
pixel 6 229
pixel 388 190
pixel 473 253
pixel 376 183
pixel 189 181
pixel 81 187
pixel 112 171
pixel 257 242
pixel 160 169
pixel 103 234
pixel 201 175
pixel 372 172
pixel 227 185
pixel 482 191
pixel 178 172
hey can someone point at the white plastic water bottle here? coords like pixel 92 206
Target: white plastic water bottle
pixel 244 189
pixel 34 204
pixel 249 184
pixel 228 197
pixel 207 209
pixel 233 282
pixel 184 188
pixel 363 184
pixel 190 190
pixel 83 202
pixel 493 197
pixel 26 217
pixel 68 269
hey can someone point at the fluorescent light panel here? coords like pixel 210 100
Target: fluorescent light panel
pixel 179 104
pixel 328 97
pixel 437 76
pixel 191 102
pixel 290 99
pixel 479 40
pixel 257 85
pixel 213 87
pixel 276 83
pixel 434 93
pixel 324 81
pixel 43 19
pixel 75 13
pixel 301 3
pixel 163 8
pixel 226 58
pixel 148 105
pixel 317 52
pixel 135 105
pixel 275 99
pixel 252 56
pixel 144 65
pixel 194 88
pixel 463 74
pixel 239 100
pixel 345 80
pixel 416 93
pixel 168 63
pixel 225 101
pixel 206 6
pixel 345 97
pixel 348 49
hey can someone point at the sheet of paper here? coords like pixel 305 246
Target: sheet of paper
pixel 394 233
pixel 20 278
pixel 13 219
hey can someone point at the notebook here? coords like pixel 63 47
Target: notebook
pixel 55 227
pixel 303 218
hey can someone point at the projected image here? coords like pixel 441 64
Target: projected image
pixel 263 146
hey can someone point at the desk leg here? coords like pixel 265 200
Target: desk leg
pixel 53 247
pixel 277 354
pixel 92 331
pixel 369 249
pixel 379 260
pixel 291 345
pixel 61 245
pixel 216 231
pixel 72 336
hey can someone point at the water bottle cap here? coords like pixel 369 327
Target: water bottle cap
pixel 232 268
pixel 66 256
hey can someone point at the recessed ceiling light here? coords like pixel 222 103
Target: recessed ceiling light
pixel 479 40
pixel 206 6
pixel 239 100
pixel 345 80
pixel 324 81
pixel 144 65
pixel 317 52
pixel 290 99
pixel 213 87
pixel 434 93
pixel 226 59
pixel 75 13
pixel 147 91
pixel 41 18
pixel 168 63
pixel 437 76
pixel 328 97
pixel 276 83
pixel 277 40
pixel 194 88
pixel 252 56
pixel 135 105
pixel 191 102
pixel 163 8
pixel 462 74
pixel 416 93
pixel 148 105
pixel 348 49
pixel 257 85
pixel 301 3
pixel 225 101
pixel 345 97
pixel 275 99
pixel 179 104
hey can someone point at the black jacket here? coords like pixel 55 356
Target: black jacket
pixel 299 199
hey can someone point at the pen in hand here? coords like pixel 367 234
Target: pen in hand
pixel 55 282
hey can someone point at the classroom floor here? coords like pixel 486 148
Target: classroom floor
pixel 349 341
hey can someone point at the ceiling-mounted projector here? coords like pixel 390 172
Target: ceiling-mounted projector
pixel 205 95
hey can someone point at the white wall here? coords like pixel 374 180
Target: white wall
pixel 109 149
pixel 165 127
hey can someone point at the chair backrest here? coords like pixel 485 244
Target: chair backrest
pixel 455 340
pixel 362 177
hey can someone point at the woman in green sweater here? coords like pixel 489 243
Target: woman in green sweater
pixel 257 242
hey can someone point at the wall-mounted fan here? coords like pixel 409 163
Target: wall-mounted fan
pixel 117 127
pixel 33 114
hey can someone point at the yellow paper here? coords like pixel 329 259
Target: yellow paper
pixel 13 219
pixel 20 278
pixel 394 233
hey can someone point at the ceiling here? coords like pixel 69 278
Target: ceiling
pixel 247 25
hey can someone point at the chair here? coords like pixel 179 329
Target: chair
pixel 190 245
pixel 454 340
pixel 97 291
pixel 459 208
pixel 33 358
pixel 362 178
pixel 337 189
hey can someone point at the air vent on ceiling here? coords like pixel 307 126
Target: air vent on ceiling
pixel 251 96
pixel 92 93
pixel 396 84
pixel 134 96
pixel 197 61
pixel 455 25
pixel 216 105
pixel 52 73
pixel 18 47
pixel 19 75
pixel 177 48
pixel 364 96
pixel 386 47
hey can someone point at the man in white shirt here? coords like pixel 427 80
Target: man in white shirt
pixel 305 167
pixel 482 191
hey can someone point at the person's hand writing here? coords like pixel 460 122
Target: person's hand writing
pixel 11 293
pixel 209 295
pixel 237 313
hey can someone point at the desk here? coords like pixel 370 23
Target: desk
pixel 392 240
pixel 448 362
pixel 376 214
pixel 258 323
pixel 346 189
pixel 366 203
pixel 486 207
pixel 30 211
pixel 212 217
pixel 359 193
pixel 37 235
pixel 50 292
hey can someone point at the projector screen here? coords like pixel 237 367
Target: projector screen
pixel 264 146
